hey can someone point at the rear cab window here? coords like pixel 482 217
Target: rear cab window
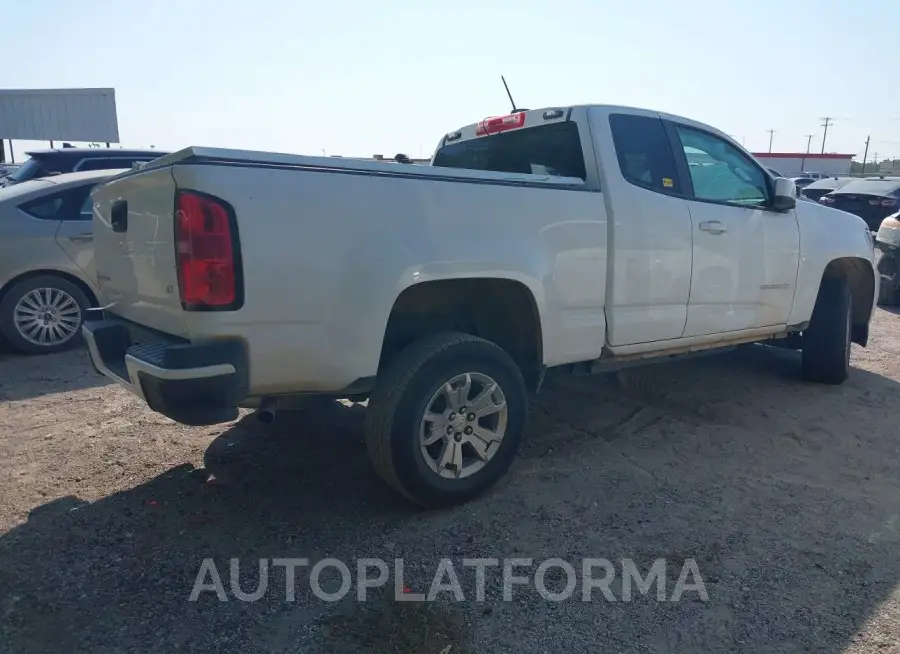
pixel 644 153
pixel 548 149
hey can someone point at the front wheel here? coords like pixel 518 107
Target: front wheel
pixel 446 418
pixel 826 343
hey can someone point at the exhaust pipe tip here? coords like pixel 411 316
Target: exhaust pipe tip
pixel 267 409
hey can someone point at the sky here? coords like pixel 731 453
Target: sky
pixel 360 77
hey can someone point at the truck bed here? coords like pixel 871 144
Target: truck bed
pixel 327 245
pixel 226 157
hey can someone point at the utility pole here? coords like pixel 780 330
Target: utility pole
pixel 771 134
pixel 808 145
pixel 826 122
pixel 865 154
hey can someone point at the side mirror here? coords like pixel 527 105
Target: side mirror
pixel 785 194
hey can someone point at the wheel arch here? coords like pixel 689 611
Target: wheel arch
pixel 502 310
pixel 860 276
pixel 50 272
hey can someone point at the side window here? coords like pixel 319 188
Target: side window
pixel 71 204
pixel 87 209
pixel 98 164
pixel 45 208
pixel 719 171
pixel 77 204
pixel 124 164
pixel 644 153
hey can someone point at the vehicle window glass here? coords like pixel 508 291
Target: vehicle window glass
pixel 77 204
pixel 87 208
pixel 644 154
pixel 105 164
pixel 553 149
pixel 71 204
pixel 45 208
pixel 719 171
pixel 115 164
pixel 871 187
pixel 29 170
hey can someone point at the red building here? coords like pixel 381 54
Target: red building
pixel 791 164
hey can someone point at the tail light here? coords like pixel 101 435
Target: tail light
pixel 826 200
pixel 206 253
pixel 500 124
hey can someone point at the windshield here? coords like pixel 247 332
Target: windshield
pixel 830 183
pixel 29 170
pixel 871 187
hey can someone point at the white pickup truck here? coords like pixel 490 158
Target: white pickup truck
pixel 581 238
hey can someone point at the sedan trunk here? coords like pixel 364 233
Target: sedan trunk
pixel 871 208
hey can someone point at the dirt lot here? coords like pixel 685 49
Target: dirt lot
pixel 785 494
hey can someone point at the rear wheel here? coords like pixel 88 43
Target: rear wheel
pixel 42 314
pixel 826 343
pixel 446 418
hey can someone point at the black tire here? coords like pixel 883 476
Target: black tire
pixel 826 343
pixel 8 327
pixel 888 291
pixel 400 399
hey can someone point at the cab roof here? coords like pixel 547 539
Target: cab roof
pixel 523 118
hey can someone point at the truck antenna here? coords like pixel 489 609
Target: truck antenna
pixel 511 101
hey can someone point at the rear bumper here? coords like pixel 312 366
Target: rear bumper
pixel 194 384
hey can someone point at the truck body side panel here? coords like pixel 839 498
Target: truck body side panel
pixel 326 254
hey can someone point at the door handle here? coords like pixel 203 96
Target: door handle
pixel 81 238
pixel 712 226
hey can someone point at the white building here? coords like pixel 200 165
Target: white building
pixel 794 164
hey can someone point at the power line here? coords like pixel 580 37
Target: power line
pixel 827 121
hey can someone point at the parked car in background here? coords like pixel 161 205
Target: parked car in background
pixel 7 169
pixel 444 331
pixel 816 190
pixel 872 199
pixel 888 241
pixel 57 161
pixel 47 276
pixel 802 182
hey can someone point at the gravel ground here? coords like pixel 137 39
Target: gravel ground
pixel 784 494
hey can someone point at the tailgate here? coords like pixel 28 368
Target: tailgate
pixel 134 243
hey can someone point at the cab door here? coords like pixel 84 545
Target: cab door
pixel 649 270
pixel 745 255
